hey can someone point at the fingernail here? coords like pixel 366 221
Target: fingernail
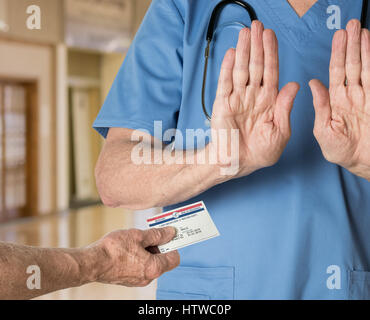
pixel 256 25
pixel 173 230
pixel 341 35
pixel 340 39
pixel 354 27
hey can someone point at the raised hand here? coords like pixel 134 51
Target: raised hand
pixel 248 99
pixel 342 125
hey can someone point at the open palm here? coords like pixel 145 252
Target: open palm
pixel 248 99
pixel 342 125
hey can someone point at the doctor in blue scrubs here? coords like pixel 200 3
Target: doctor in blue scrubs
pixel 295 217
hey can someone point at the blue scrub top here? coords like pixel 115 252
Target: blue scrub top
pixel 286 231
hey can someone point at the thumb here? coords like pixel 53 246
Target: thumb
pixel 321 102
pixel 284 105
pixel 158 236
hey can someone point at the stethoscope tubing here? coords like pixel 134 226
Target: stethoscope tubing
pixel 253 16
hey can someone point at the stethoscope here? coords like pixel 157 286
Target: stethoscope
pixel 253 16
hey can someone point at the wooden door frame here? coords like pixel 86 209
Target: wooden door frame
pixel 31 88
pixel 32 147
pixel 46 97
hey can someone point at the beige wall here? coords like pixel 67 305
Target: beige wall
pixel 141 6
pixel 111 63
pixel 62 128
pixel 84 64
pixel 51 20
pixel 109 68
pixel 34 63
pixel 103 67
pixel 52 15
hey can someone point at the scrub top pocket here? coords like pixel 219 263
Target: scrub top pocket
pixel 170 295
pixel 195 283
pixel 359 285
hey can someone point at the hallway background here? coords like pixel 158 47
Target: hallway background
pixel 53 81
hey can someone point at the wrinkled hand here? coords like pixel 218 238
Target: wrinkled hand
pixel 342 125
pixel 248 99
pixel 125 257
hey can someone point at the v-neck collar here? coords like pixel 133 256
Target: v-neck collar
pixel 310 21
pixel 297 30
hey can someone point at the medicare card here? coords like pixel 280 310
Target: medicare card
pixel 193 224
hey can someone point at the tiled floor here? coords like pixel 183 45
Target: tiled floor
pixel 76 229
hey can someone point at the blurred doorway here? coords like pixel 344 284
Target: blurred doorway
pixel 85 143
pixel 33 67
pixel 18 149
